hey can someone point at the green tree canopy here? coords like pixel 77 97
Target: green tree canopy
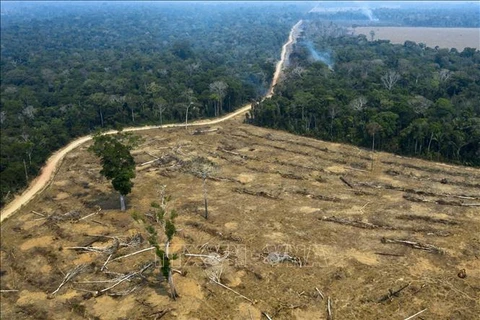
pixel 118 164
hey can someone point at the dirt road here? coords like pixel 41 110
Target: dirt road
pixel 48 171
pixel 294 33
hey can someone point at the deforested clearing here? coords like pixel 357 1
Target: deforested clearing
pixel 296 227
pixel 458 38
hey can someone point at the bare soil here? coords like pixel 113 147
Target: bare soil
pixel 403 223
pixel 458 38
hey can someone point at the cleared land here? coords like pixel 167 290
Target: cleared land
pixel 458 38
pixel 407 224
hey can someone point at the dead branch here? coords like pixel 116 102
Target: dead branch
pixel 92 292
pixel 200 131
pixel 448 203
pixel 159 314
pixel 267 316
pixel 111 249
pixel 148 162
pixel 329 309
pixel 319 293
pixel 7 290
pixel 210 259
pixel 215 275
pixel 426 219
pixel 91 214
pixel 97 238
pixel 415 245
pixel 105 264
pixel 133 253
pixel 258 194
pixel 346 182
pixel 231 152
pixel 466 197
pixel 230 289
pixel 325 198
pixel 416 314
pixel 96 281
pixel 151 155
pixel 357 223
pixel 69 276
pixel 100 223
pixel 290 176
pixel 126 277
pixel 274 258
pixel 304 192
pixel 133 241
pixel 38 213
pixel 409 197
pixel 357 169
pixel 391 294
pixel 225 179
pixel 71 215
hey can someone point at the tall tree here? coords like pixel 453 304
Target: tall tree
pixel 219 90
pixel 373 128
pixel 118 164
pixel 203 168
pixel 390 78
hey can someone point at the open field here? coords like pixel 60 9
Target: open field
pixel 458 38
pixel 406 225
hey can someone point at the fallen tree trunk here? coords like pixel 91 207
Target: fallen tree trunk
pixel 256 193
pixel 415 245
pixel 346 182
pixel 200 131
pixel 357 223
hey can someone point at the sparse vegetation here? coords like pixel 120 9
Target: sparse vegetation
pixel 282 246
pixel 160 218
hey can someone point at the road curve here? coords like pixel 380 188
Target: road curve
pixel 47 174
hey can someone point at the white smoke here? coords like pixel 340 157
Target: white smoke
pixel 367 12
pixel 324 57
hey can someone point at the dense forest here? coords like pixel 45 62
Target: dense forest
pixel 68 70
pixel 408 99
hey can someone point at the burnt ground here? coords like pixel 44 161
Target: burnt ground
pixel 403 225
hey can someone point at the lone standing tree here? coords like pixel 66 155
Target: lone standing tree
pixel 118 164
pixel 203 168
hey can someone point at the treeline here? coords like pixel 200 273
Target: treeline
pixel 69 71
pixel 460 16
pixel 407 99
pixel 453 15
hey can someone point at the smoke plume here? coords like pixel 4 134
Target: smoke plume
pixel 324 57
pixel 369 14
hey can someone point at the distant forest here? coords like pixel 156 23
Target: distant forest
pixel 412 14
pixel 69 69
pixel 408 99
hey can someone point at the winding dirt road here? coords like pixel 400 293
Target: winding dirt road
pixel 53 163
